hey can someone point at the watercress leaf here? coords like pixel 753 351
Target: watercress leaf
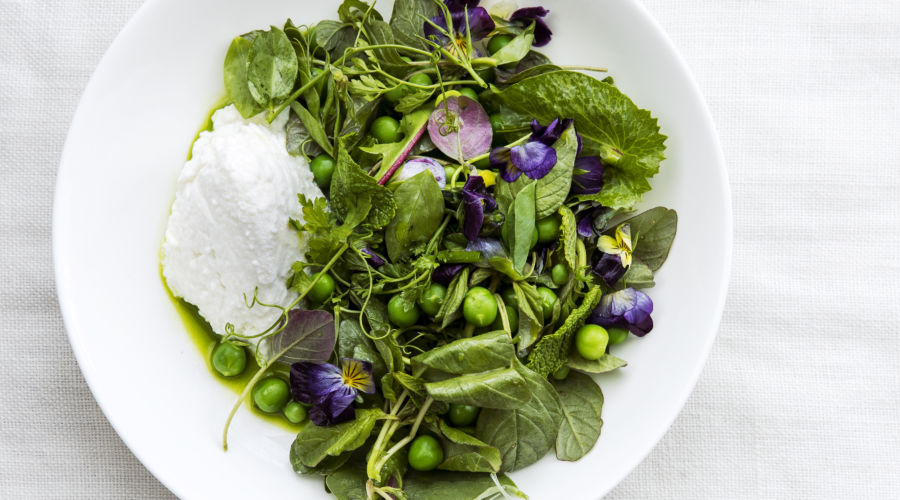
pixel 519 226
pixel 313 126
pixel 516 49
pixel 469 355
pixel 638 275
pixel 611 126
pixel 445 485
pixel 526 433
pixel 582 403
pixel 349 183
pixel 654 232
pixel 348 483
pixel 456 293
pixel 413 127
pixel 408 21
pixel 416 223
pixel 308 336
pixel 353 343
pixel 551 353
pixel 504 388
pixel 606 363
pixel 568 236
pixel 235 72
pixel 314 443
pixel 272 67
pixel 552 189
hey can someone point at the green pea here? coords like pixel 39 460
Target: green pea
pixel 548 300
pixel 535 235
pixel 591 341
pixel 322 167
pixel 271 394
pixel 462 415
pixel 432 298
pixel 498 42
pixel 509 297
pixel 420 79
pixel 617 335
pixel 559 274
pixel 425 453
pixel 229 359
pixel 401 312
pixel 323 289
pixel 561 374
pixel 548 228
pixel 512 315
pixel 295 412
pixel 386 129
pixel 479 306
pixel 468 92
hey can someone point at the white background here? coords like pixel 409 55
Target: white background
pixel 801 394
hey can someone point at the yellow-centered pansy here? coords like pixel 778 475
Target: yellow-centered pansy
pixel 620 245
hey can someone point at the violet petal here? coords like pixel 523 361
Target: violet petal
pixel 535 159
pixel 445 273
pixel 609 268
pixel 311 383
pixel 588 178
pixel 585 225
pixel 542 32
pixel 374 259
pixel 457 5
pixel 628 308
pixel 480 24
pixel 476 201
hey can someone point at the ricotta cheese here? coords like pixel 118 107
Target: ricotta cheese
pixel 228 234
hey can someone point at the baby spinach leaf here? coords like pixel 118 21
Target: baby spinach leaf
pixel 348 483
pixel 519 226
pixel 526 433
pixel 350 183
pixel 654 231
pixel 611 126
pixel 408 21
pixel 638 275
pixel 606 363
pixel 568 236
pixel 355 10
pixel 582 403
pixel 335 37
pixel 326 466
pixel 504 388
pixel 309 335
pixel 353 343
pixel 466 453
pixel 442 485
pixel 236 60
pixel 314 443
pixel 456 293
pixel 516 49
pixel 469 355
pixel 416 223
pixel 551 353
pixel 552 189
pixel 414 384
pixel 272 67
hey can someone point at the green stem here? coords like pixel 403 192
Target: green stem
pixel 585 68
pixel 412 434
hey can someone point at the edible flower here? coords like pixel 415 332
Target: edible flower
pixel 374 259
pixel 526 16
pixel 536 157
pixel 619 246
pixel 588 175
pixel 608 267
pixel 331 390
pixel 445 273
pixel 462 13
pixel 475 201
pixel 628 308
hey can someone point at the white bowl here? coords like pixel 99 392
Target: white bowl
pixel 127 143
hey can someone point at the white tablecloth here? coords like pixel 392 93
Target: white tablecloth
pixel 801 395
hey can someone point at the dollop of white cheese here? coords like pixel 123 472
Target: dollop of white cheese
pixel 229 232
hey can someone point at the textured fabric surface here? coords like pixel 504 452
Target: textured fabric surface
pixel 801 395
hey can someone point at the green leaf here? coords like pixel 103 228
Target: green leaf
pixel 235 72
pixel 506 267
pixel 297 138
pixel 354 10
pixel 308 336
pixel 611 126
pixel 606 363
pixel 272 67
pixel 456 293
pixel 411 125
pixel 534 63
pixel 381 33
pixel 313 127
pixel 420 217
pixel 350 183
pixel 442 485
pixel 408 21
pixel 314 443
pixel 582 402
pixel 353 343
pixel 654 231
pixel 519 226
pixel 526 433
pixel 414 384
pixel 517 48
pixel 326 466
pixel 551 353
pixel 469 355
pixel 638 275
pixel 348 483
pixel 568 236
pixel 550 191
pixel 504 388
pixel 466 453
pixel 335 37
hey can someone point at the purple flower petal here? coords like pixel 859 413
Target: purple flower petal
pixel 525 16
pixel 535 159
pixel 433 33
pixel 585 225
pixel 457 5
pixel 336 409
pixel 480 23
pixel 608 267
pixel 476 201
pixel 460 127
pixel 445 273
pixel 374 259
pixel 500 159
pixel 552 132
pixel 588 178
pixel 628 308
pixel 418 165
pixel 312 383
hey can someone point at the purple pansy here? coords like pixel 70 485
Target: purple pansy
pixel 374 259
pixel 331 390
pixel 588 178
pixel 476 201
pixel 552 132
pixel 628 308
pixel 479 22
pixel 609 267
pixel 527 15
pixel 533 158
pixel 445 273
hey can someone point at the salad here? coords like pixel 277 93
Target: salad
pixel 466 259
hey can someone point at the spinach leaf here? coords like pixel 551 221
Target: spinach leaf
pixel 414 225
pixel 466 453
pixel 350 184
pixel 582 402
pixel 326 466
pixel 355 10
pixel 439 485
pixel 552 189
pixel 309 335
pixel 503 388
pixel 335 37
pixel 516 49
pixel 551 352
pixel 469 355
pixel 519 226
pixel 654 231
pixel 611 126
pixel 353 343
pixel 456 293
pixel 568 236
pixel 638 275
pixel 606 363
pixel 236 60
pixel 272 68
pixel 314 443
pixel 526 433
pixel 348 483
pixel 408 21
pixel 414 384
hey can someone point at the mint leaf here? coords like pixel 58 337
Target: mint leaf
pixel 350 183
pixel 551 353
